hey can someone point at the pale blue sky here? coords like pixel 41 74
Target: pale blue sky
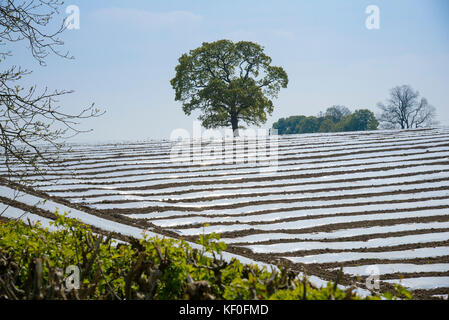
pixel 126 51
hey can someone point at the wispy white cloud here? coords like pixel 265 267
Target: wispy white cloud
pixel 148 19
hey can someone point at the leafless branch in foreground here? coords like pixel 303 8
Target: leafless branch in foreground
pixel 30 119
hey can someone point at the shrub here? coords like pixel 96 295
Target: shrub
pixel 34 261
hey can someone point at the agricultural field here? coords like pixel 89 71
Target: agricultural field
pixel 373 203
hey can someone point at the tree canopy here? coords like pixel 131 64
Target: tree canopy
pixel 336 113
pixel 228 83
pixel 335 119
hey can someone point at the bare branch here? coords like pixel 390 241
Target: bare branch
pixel 403 110
pixel 30 121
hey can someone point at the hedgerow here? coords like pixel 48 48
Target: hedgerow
pixel 36 263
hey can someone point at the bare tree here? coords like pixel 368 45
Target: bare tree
pixel 404 109
pixel 30 118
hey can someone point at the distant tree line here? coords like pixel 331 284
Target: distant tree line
pixel 404 109
pixel 335 119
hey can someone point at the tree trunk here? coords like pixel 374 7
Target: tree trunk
pixel 235 125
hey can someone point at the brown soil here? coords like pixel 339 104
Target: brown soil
pixel 259 187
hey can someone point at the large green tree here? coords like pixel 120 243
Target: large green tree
pixel 229 83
